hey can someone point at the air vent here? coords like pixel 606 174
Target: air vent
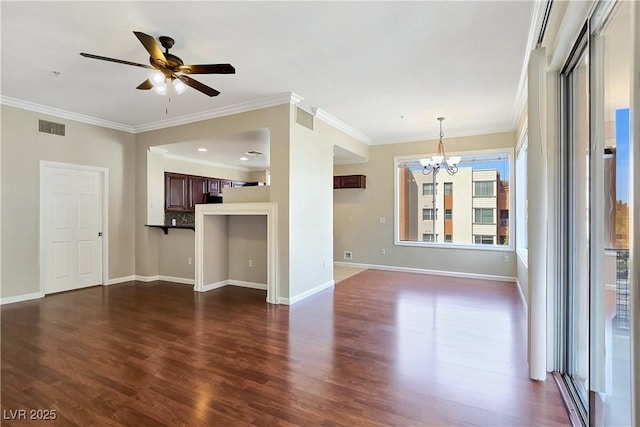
pixel 304 118
pixel 53 128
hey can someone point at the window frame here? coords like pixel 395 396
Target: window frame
pixel 508 151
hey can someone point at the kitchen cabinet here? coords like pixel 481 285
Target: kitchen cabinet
pixel 213 185
pixel 198 190
pixel 175 192
pixel 349 181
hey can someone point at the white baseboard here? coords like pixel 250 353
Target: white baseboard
pixel 212 286
pixel 522 298
pixel 147 278
pixel 120 280
pixel 425 271
pixel 306 294
pixel 181 280
pixel 252 285
pixel 20 298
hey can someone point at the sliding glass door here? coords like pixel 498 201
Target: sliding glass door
pixel 578 197
pixel 596 312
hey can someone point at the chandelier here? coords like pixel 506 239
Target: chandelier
pixel 435 163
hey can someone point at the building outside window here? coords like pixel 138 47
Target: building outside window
pixel 484 189
pixel 483 216
pixel 484 240
pixel 427 214
pixel 479 207
pixel 427 237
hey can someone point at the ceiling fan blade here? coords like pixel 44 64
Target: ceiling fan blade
pixel 208 69
pixel 119 61
pixel 152 47
pixel 145 85
pixel 198 86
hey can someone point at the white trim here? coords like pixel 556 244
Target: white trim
pixel 574 18
pixel 123 279
pixel 64 114
pixel 523 254
pixel 396 203
pixel 340 125
pixel 270 210
pixel 180 280
pixel 522 298
pixel 243 284
pixel 104 174
pixel 211 286
pixel 537 16
pixel 20 298
pixel 462 275
pixel 243 107
pixel 307 294
pixel 147 279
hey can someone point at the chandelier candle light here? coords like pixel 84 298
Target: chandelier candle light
pixel 434 163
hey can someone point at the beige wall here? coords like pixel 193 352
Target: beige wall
pixel 149 241
pixel 248 241
pixel 22 149
pixel 357 227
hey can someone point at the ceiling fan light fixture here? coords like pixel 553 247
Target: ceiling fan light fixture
pixel 157 78
pixel 160 90
pixel 179 86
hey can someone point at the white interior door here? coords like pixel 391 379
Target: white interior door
pixel 72 204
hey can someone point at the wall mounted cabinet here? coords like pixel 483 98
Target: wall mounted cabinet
pixel 349 181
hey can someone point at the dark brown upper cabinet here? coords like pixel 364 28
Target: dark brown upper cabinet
pixel 349 181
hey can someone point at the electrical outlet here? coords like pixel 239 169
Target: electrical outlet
pixel 382 220
pixel 383 251
pixel 250 263
pixel 506 258
pixel 190 261
pixel 348 255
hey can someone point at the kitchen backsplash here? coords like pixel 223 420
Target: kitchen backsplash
pixel 182 218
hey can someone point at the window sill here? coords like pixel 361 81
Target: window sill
pixel 491 248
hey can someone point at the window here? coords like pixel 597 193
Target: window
pixel 448 188
pixel 504 218
pixel 483 216
pixel 427 189
pixel 483 240
pixel 484 189
pixel 427 237
pixel 481 199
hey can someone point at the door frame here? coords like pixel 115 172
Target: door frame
pixel 104 184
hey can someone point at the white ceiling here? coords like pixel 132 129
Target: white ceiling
pixel 365 63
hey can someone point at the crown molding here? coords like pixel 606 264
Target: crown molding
pixel 265 102
pixel 158 150
pixel 340 125
pixel 537 16
pixel 64 114
pixel 243 107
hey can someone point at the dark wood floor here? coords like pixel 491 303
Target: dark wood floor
pixel 383 348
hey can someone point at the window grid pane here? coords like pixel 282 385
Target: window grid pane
pixel 484 189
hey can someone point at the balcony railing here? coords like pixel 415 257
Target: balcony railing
pixel 623 314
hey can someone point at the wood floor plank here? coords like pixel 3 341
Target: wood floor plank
pixel 381 349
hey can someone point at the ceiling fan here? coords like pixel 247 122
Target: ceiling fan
pixel 171 69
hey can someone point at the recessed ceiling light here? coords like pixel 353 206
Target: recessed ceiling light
pixel 202 149
pixel 244 158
